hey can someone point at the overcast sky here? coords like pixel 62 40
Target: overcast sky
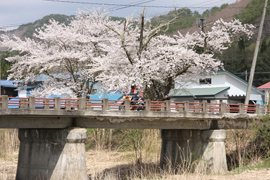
pixel 16 12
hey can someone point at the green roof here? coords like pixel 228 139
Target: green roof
pixel 198 92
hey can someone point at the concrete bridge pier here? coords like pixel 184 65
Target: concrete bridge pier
pixel 52 154
pixel 205 149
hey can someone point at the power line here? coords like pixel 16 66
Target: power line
pixel 132 4
pixel 207 4
pixel 201 3
pixel 255 73
pixel 195 5
pixel 243 58
pixel 112 4
pixel 254 8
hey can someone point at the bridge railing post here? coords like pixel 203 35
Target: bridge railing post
pixel 196 109
pixel 228 108
pixel 105 104
pixel 81 103
pixel 127 104
pixel 258 109
pixel 204 110
pixel 241 108
pixel 88 107
pixel 186 107
pixel 212 108
pixel 22 103
pixel 57 103
pixel 4 101
pixel 32 102
pixel 68 106
pixel 46 106
pixel 223 107
pixel 147 105
pixel 168 105
pixel 180 108
pixel 162 108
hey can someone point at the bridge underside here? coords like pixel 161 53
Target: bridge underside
pixel 59 154
pixel 51 149
pixel 16 118
pixel 124 123
pixel 48 132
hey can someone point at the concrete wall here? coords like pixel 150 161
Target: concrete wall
pixel 202 150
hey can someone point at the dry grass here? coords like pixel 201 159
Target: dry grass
pixel 9 143
pixel 114 165
pixel 9 148
pixel 98 161
pixel 8 169
pixel 119 165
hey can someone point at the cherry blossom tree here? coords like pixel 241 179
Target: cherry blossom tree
pixel 116 54
pixel 66 54
pixel 155 62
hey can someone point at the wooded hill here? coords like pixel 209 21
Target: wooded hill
pixel 236 59
pixel 27 30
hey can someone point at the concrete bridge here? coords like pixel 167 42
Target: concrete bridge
pixel 52 134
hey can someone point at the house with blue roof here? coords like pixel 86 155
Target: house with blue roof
pixel 96 93
pixel 223 86
pixel 9 88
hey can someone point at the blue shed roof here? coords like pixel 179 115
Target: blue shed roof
pixel 8 84
pixel 109 96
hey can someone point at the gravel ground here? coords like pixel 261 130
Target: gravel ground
pixel 97 162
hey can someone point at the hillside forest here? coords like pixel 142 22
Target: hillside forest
pixel 237 58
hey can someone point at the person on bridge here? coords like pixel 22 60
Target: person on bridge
pixel 134 92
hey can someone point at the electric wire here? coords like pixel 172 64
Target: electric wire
pixel 207 4
pixel 125 5
pixel 132 4
pixel 112 4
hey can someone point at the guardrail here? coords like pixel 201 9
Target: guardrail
pixel 58 103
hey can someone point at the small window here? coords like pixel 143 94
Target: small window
pixel 206 81
pixel 94 91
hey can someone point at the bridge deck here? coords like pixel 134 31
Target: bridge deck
pixel 61 113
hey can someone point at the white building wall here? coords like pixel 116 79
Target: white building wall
pixel 218 80
pixel 237 87
pixel 22 93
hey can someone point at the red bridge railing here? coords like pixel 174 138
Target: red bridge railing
pixel 58 103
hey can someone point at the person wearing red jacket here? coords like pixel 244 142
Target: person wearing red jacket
pixel 134 90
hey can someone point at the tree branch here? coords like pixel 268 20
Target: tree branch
pixel 59 80
pixel 123 41
pixel 184 70
pixel 156 30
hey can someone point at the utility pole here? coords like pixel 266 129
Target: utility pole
pixel 201 23
pixel 252 70
pixel 1 53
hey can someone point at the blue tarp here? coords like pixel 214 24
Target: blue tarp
pixel 109 96
pixel 260 102
pixel 8 84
